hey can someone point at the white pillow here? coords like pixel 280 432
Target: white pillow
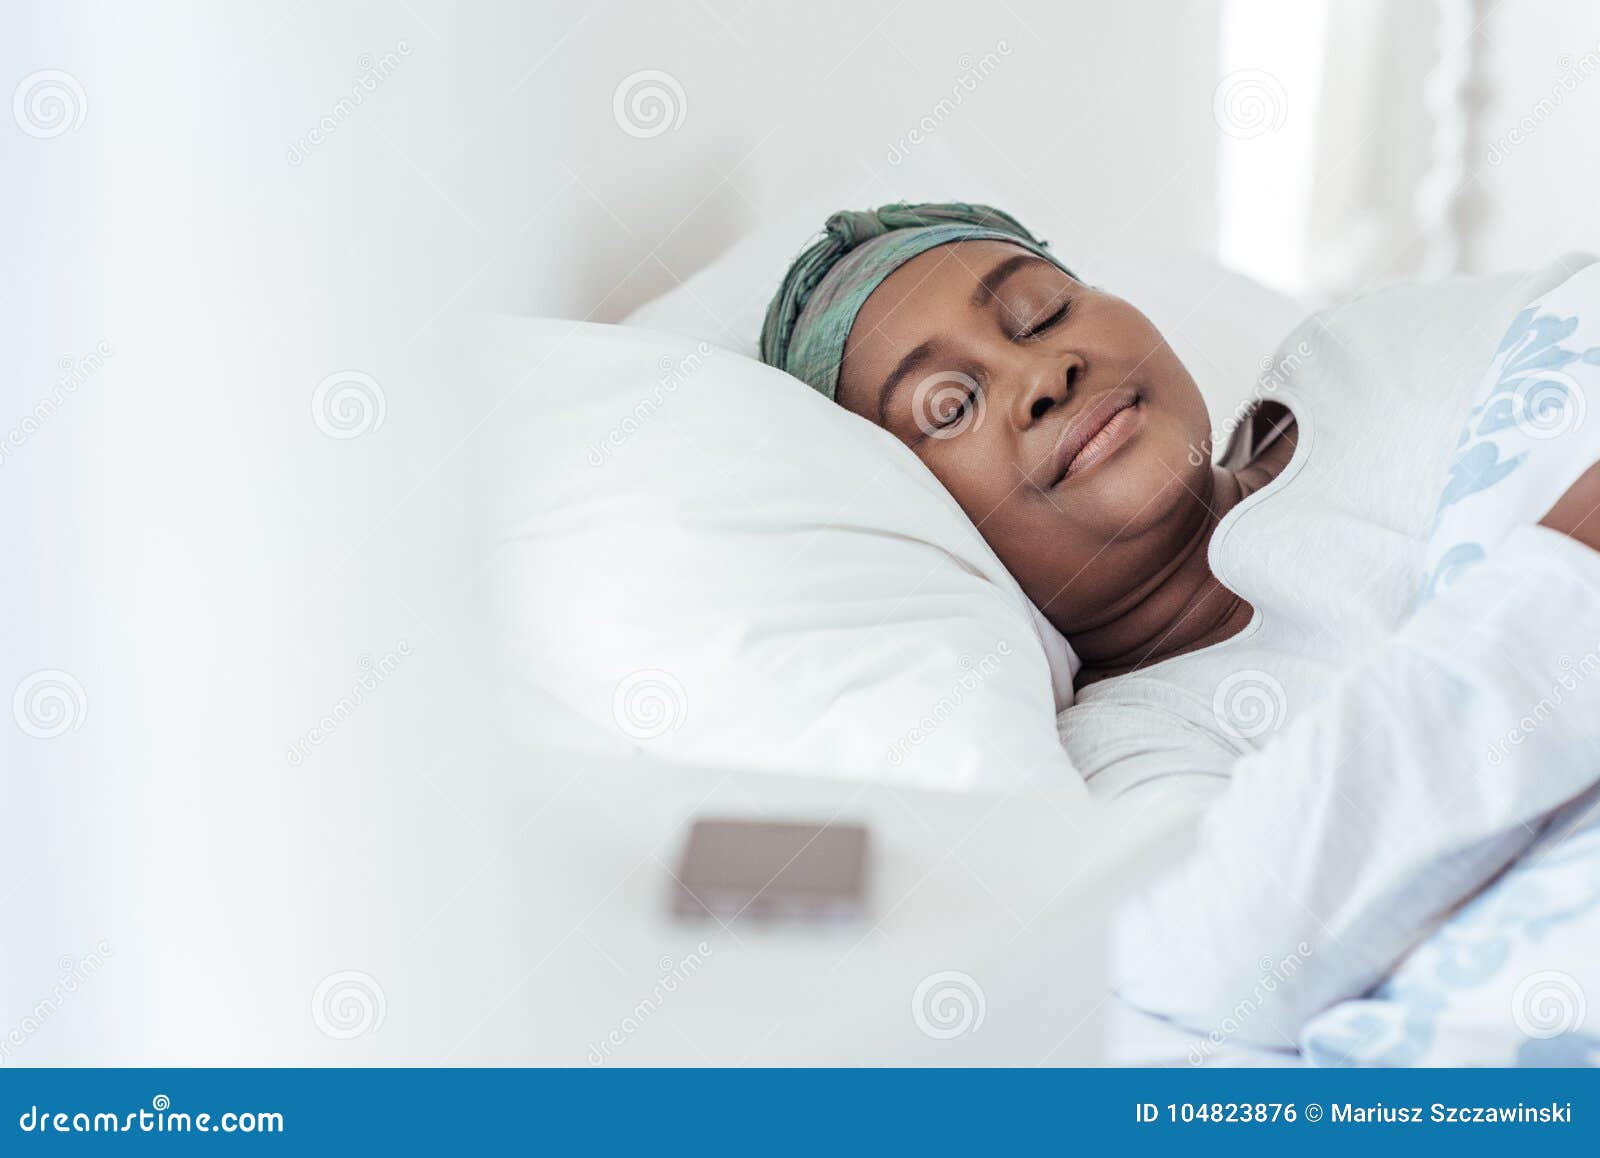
pixel 710 559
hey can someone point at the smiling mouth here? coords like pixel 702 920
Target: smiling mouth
pixel 1097 434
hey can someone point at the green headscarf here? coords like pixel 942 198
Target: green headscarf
pixel 811 315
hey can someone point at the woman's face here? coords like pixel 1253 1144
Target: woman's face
pixel 1056 415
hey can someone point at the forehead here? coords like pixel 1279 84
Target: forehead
pixel 925 296
pixel 946 273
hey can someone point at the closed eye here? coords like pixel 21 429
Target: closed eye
pixel 948 418
pixel 1038 328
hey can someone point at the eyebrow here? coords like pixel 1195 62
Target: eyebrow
pixel 915 358
pixel 991 282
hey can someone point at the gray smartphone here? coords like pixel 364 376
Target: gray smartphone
pixel 769 870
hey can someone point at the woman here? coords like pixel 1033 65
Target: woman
pixel 1232 618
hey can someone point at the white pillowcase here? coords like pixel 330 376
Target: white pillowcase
pixel 709 559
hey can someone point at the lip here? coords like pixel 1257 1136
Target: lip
pixel 1080 446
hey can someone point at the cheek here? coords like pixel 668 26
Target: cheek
pixel 979 473
pixel 1126 324
pixel 1054 558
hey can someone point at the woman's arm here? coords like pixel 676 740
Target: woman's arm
pixel 1577 513
pixel 1422 774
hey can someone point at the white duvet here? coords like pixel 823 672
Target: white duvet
pixel 1507 980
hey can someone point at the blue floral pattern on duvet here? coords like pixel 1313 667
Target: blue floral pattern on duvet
pixel 1530 387
pixel 1505 981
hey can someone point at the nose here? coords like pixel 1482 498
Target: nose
pixel 1046 382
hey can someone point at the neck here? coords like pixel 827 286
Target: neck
pixel 1183 607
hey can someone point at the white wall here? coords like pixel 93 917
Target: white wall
pixel 1329 141
pixel 488 167
pixel 1093 119
pixel 1537 196
pixel 1412 140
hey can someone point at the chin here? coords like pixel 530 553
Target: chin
pixel 1138 492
